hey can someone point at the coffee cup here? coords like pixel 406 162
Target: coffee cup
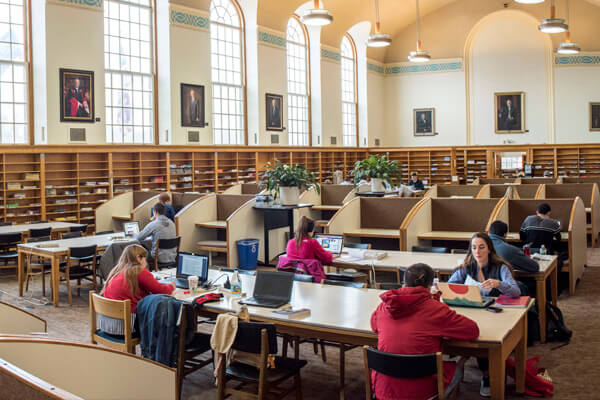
pixel 193 283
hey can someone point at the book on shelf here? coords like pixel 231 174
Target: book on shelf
pixel 292 313
pixel 509 302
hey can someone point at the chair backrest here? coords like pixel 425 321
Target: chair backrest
pixel 6 223
pixel 82 252
pixel 10 238
pixel 38 239
pixel 248 337
pixel 359 285
pixel 459 251
pixel 364 246
pixel 426 249
pixel 118 309
pixel 40 232
pixel 407 366
pixel 104 232
pixel 81 228
pixel 70 235
pixel 388 286
pixel 45 221
pixel 15 321
pixel 304 278
pixel 168 243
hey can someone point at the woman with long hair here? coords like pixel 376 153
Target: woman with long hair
pixel 304 247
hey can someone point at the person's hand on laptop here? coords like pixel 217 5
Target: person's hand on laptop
pixel 490 284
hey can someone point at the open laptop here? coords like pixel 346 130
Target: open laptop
pixel 272 289
pixel 458 295
pixel 189 264
pixel 131 228
pixel 331 243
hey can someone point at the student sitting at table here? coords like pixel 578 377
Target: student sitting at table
pixel 483 265
pixel 160 227
pixel 415 182
pixel 412 321
pixel 164 198
pixel 540 229
pixel 130 280
pixel 514 255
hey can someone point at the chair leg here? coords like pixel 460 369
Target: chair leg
pixel 69 289
pixel 284 349
pixel 78 287
pixel 342 370
pixel 297 348
pixel 323 354
pixel 316 347
pixel 298 384
pixel 43 282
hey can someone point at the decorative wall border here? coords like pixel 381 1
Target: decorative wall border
pixel 375 67
pixel 270 37
pixel 189 18
pixel 583 59
pixel 89 4
pixel 330 54
pixel 442 65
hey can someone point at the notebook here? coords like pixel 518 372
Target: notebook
pixel 459 295
pixel 272 289
pixel 331 243
pixel 509 302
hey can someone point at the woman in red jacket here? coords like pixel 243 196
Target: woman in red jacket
pixel 304 247
pixel 410 321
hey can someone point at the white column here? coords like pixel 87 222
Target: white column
pixel 163 54
pixel 314 35
pixel 38 31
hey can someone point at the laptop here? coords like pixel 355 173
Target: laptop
pixel 458 295
pixel 189 264
pixel 272 289
pixel 331 243
pixel 131 228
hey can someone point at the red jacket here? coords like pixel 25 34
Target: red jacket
pixel 117 288
pixel 410 321
pixel 309 249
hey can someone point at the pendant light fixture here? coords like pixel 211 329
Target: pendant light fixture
pixel 530 1
pixel 568 47
pixel 378 39
pixel 316 16
pixel 553 24
pixel 420 55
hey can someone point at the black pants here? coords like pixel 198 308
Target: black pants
pixel 484 364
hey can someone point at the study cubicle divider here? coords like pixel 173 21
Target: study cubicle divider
pixel 180 200
pixel 591 199
pixel 495 181
pixel 566 179
pixel 244 188
pixel 570 213
pixel 538 180
pixel 498 191
pixel 331 195
pixel 530 191
pixel 52 369
pixel 459 191
pixel 16 321
pixel 200 221
pixel 128 206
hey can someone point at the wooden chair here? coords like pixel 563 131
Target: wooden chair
pixel 70 235
pixel 259 339
pixel 81 264
pixel 407 367
pixel 426 249
pixel 104 232
pixel 8 248
pixel 165 244
pixel 362 246
pixel 117 309
pixel 187 353
pixel 37 266
pixel 82 229
pixel 44 221
pixel 35 233
pixel 388 286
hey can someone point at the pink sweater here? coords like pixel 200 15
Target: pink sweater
pixel 309 249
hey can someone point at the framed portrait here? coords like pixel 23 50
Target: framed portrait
pixel 509 109
pixel 273 105
pixel 424 121
pixel 192 105
pixel 594 116
pixel 76 95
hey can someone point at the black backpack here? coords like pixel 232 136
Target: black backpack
pixel 556 330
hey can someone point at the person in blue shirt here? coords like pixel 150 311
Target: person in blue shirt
pixel 484 265
pixel 165 199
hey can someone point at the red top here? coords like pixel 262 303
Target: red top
pixel 410 321
pixel 309 249
pixel 118 289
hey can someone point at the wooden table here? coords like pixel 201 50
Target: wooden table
pixel 342 315
pixel 212 224
pixel 447 235
pixel 55 254
pixel 24 228
pixel 378 233
pixel 323 207
pixel 514 237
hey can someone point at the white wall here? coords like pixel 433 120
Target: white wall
pixel 272 78
pixel 575 87
pixel 331 101
pixel 376 101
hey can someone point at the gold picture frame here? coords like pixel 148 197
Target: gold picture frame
pixel 509 117
pixel 594 116
pixel 424 122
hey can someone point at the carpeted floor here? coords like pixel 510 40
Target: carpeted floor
pixel 572 367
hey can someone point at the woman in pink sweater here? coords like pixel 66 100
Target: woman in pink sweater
pixel 304 247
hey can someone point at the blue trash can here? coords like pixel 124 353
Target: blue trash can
pixel 247 253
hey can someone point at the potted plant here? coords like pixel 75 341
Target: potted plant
pixel 287 181
pixel 377 169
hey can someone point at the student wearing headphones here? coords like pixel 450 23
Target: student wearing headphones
pixel 304 247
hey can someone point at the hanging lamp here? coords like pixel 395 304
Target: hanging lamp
pixel 553 24
pixel 420 55
pixel 568 47
pixel 378 39
pixel 530 1
pixel 316 16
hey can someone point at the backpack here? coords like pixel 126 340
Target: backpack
pixel 535 383
pixel 556 330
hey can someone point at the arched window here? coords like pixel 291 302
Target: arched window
pixel 349 98
pixel 129 71
pixel 226 67
pixel 13 73
pixel 297 83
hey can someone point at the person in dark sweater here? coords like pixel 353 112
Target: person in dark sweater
pixel 512 254
pixel 540 229
pixel 415 182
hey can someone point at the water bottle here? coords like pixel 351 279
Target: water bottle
pixel 236 283
pixel 434 288
pixel 543 250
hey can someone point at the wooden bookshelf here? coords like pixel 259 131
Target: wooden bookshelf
pixel 246 167
pixel 22 176
pixel 181 172
pixel 440 166
pixel 126 172
pixel 204 172
pixel 589 162
pixel 419 162
pixel 226 170
pixel 544 162
pixel 93 173
pixel 153 171
pixel 475 164
pixel 61 187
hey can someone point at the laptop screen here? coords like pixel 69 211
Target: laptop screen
pixel 190 264
pixel 331 243
pixel 273 284
pixel 131 228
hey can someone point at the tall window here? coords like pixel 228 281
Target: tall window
pixel 226 68
pixel 128 56
pixel 349 103
pixel 297 84
pixel 13 75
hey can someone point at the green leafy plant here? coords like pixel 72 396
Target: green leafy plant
pixel 375 166
pixel 282 175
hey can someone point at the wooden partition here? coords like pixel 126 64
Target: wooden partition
pixel 533 181
pixel 336 195
pixel 497 191
pixel 530 191
pixel 201 210
pixel 128 206
pixel 87 371
pixel 143 211
pixel 570 213
pixel 244 188
pixel 180 200
pixel 459 191
pixel 496 181
pixel 14 320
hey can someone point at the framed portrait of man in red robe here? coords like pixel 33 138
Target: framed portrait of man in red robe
pixel 76 95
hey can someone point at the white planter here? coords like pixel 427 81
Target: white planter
pixel 377 185
pixel 289 195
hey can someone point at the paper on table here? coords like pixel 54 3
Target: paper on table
pixel 472 282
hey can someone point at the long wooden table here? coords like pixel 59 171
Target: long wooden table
pixel 377 233
pixel 444 264
pixel 24 228
pixel 446 235
pixel 324 207
pixel 55 251
pixel 514 237
pixel 342 315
